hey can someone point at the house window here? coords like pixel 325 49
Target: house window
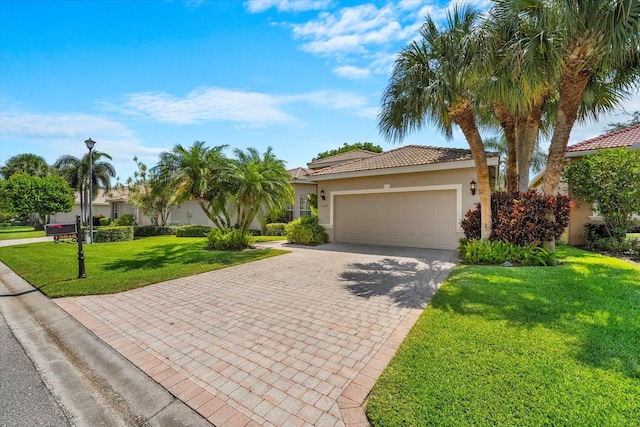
pixel 289 213
pixel 305 209
pixel 116 210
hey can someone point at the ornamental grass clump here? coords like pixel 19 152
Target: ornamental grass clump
pixel 498 252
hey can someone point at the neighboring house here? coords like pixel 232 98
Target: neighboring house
pixel 583 213
pixel 410 196
pixel 111 204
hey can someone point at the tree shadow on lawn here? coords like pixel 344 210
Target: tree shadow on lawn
pixel 410 284
pixel 592 302
pixel 177 254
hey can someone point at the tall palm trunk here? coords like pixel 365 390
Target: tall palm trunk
pixel 572 85
pixel 527 144
pixel 463 115
pixel 508 123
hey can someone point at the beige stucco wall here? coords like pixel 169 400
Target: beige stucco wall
pixel 301 190
pixel 382 183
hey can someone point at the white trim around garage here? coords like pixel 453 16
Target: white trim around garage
pixel 388 189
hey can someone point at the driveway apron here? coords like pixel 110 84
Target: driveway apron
pixel 294 340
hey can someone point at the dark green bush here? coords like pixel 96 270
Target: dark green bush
pixel 228 240
pixel 629 247
pixel 105 222
pixel 306 231
pixel 126 220
pixel 275 229
pixel 154 230
pixel 114 234
pixel 498 251
pixel 193 231
pixel 519 218
pixel 254 232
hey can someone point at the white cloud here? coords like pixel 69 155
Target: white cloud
pixel 257 6
pixel 351 72
pixel 208 104
pixel 248 108
pixel 68 126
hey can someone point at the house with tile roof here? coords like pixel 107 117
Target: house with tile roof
pixel 411 196
pixel 583 213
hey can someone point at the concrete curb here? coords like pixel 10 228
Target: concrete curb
pixel 94 384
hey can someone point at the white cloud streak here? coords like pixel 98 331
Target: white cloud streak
pixel 258 6
pixel 351 72
pixel 251 109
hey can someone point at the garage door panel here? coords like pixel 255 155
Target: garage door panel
pixel 419 219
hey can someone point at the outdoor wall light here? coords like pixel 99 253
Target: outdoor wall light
pixel 322 194
pixel 472 187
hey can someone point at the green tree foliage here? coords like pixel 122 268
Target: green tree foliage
pixel 26 195
pixel 368 146
pixel 150 191
pixel 76 172
pixel 258 185
pixel 611 180
pixel 231 192
pixel 30 164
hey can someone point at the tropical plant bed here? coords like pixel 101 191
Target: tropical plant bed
pixel 119 266
pixel 529 346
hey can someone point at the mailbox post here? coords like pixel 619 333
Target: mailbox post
pixel 69 231
pixel 82 274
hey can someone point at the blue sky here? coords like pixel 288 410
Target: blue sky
pixel 139 77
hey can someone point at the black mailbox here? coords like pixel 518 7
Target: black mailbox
pixel 60 229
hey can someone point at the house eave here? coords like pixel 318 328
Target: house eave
pixel 491 161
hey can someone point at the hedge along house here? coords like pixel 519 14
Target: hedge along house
pixel 412 196
pixel 583 213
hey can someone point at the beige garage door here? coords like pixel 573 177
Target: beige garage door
pixel 423 219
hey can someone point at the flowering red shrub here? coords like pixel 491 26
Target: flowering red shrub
pixel 520 218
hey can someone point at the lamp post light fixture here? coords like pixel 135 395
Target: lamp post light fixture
pixel 322 194
pixel 472 187
pixel 90 144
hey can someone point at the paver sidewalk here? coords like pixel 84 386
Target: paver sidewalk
pixel 296 340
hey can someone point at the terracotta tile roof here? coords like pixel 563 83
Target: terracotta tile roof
pixel 410 155
pixel 620 138
pixel 341 158
pixel 299 174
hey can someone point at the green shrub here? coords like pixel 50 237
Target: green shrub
pixel 228 240
pixel 193 231
pixel 114 234
pixel 306 231
pixel 275 229
pixel 154 230
pixel 126 220
pixel 497 252
pixel 105 222
pixel 629 247
pixel 519 218
pixel 254 232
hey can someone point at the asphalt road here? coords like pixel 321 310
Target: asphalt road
pixel 24 399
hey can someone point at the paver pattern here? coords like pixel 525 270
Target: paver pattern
pixel 295 340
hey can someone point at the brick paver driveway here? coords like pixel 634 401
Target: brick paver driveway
pixel 298 339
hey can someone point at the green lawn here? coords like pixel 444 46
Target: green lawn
pixel 530 346
pixel 120 266
pixel 11 233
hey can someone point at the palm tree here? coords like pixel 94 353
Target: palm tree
pixel 76 172
pixel 31 164
pixel 589 42
pixel 262 185
pixel 433 81
pixel 198 173
pixel 538 159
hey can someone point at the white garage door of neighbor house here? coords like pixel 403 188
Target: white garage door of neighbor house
pixel 422 219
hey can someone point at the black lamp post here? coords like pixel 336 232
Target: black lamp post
pixel 90 144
